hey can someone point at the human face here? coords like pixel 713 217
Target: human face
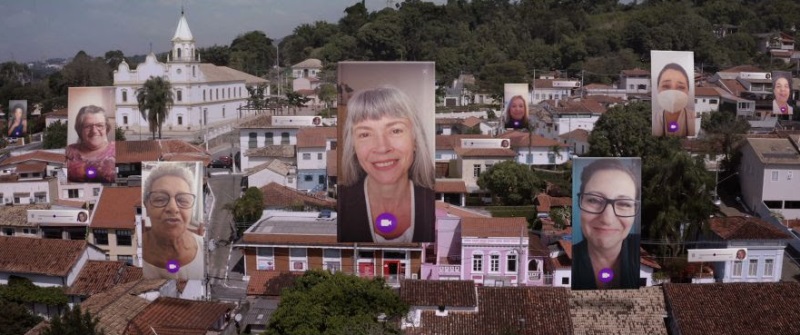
pixel 170 220
pixel 673 80
pixel 18 113
pixel 781 91
pixel 93 133
pixel 517 109
pixel 606 231
pixel 385 149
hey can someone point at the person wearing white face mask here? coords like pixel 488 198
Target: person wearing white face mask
pixel 672 95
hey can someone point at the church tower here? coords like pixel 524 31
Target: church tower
pixel 183 48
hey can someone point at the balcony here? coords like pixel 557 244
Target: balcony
pixel 449 270
pixel 534 275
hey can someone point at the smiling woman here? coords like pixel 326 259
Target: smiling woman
pixel 92 159
pixel 387 174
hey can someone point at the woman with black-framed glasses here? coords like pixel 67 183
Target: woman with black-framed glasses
pixel 170 249
pixel 607 256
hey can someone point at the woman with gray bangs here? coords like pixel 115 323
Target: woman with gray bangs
pixel 387 175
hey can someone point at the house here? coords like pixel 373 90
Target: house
pixel 204 94
pixel 45 262
pixel 99 276
pixel 734 94
pixel 778 45
pixel 635 82
pixel 577 141
pixel 445 152
pixel 262 141
pixel 309 68
pixel 763 242
pixel 277 196
pixel 561 258
pixel 595 90
pixel 313 146
pixel 619 312
pixel 733 308
pixel 131 154
pixel 115 307
pixel 452 191
pixel 707 99
pixel 116 224
pixel 770 175
pixel 56 115
pixel 167 315
pixel 552 89
pixel 272 171
pixel 478 155
pixel 555 118
pixel 14 221
pixel 468 125
pixel 33 177
pixel 457 308
pixel 533 149
pixel 299 241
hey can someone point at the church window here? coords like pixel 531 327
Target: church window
pixel 180 120
pixel 180 95
pixel 125 119
pixel 179 53
pixel 193 74
pixel 204 95
pixel 124 95
pixel 217 93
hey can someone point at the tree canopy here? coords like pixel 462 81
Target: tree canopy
pixel 155 99
pixel 325 303
pixel 55 137
pixel 73 322
pixel 512 182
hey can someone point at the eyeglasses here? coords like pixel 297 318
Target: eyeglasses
pixel 96 126
pixel 161 199
pixel 595 204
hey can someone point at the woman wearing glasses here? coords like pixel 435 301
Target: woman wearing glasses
pixel 608 202
pixel 170 249
pixel 92 158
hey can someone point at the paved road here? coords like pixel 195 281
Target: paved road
pixel 225 284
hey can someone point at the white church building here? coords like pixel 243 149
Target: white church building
pixel 203 93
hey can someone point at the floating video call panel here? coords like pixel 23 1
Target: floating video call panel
pixel 172 213
pixel 91 151
pixel 17 118
pixel 386 171
pixel 515 100
pixel 672 87
pixel 782 91
pixel 606 223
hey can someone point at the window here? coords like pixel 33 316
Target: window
pixel 333 145
pixel 124 237
pixel 101 237
pixel 713 101
pixel 321 179
pixel 179 95
pixel 125 119
pixel 229 92
pixel 216 93
pixel 96 191
pixel 737 268
pixel 204 95
pixel 768 267
pixel 268 138
pixel 223 112
pixel 631 86
pixel 791 204
pixel 774 175
pixel 298 259
pixel 477 263
pixel 180 120
pixel 308 177
pixel 73 193
pixel 494 263
pixel 40 196
pixel 529 158
pixel 476 170
pixel 8 231
pixel 124 95
pixel 284 138
pixel 125 258
pixel 565 281
pixel 511 262
pixel 438 156
pixel 253 141
pixel 331 260
pixel 752 268
pixel 240 91
pixel 774 204
pixel 306 156
pixel 265 259
pixel 319 156
pixel 19 196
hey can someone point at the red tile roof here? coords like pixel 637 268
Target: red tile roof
pixel 40 156
pixel 618 312
pixel 734 308
pixel 580 135
pixel 178 316
pixel 451 186
pixel 535 247
pixel 745 228
pixel 153 150
pixel 494 227
pixel 31 167
pixel 116 208
pixel 315 137
pixel 707 92
pixel 449 293
pixel 636 72
pixel 485 152
pixel 544 202
pixel 270 283
pixel 116 307
pixel 471 121
pixel 458 211
pixel 98 276
pixel 47 257
pixel 63 112
pixel 520 139
pixel 279 196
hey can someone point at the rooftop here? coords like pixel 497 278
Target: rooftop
pixel 116 208
pixel 309 63
pixel 214 73
pixel 273 151
pixel 775 150
pixel 17 216
pixel 117 306
pixel 179 316
pixel 315 137
pixel 450 293
pixel 152 150
pixel 745 228
pixel 35 156
pixel 521 139
pixel 47 257
pixel 98 276
pixel 620 312
pixel 279 196
pixel 450 186
pixel 493 227
pixel 270 283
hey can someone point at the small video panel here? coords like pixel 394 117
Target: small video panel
pixel 17 118
pixel 91 150
pixel 606 213
pixel 782 105
pixel 672 87
pixel 172 215
pixel 385 169
pixel 515 112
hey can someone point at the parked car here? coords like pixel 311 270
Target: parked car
pixel 221 162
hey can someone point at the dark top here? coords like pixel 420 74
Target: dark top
pixel 353 223
pixel 583 273
pixel 18 131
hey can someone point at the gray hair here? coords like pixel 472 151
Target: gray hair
pixel 172 169
pixel 90 109
pixel 375 104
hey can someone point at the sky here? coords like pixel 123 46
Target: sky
pixel 41 29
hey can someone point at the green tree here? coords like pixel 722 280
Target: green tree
pixel 113 58
pixel 724 130
pixel 494 76
pixel 623 131
pixel 252 52
pixel 296 100
pixel 73 322
pixel 257 96
pixel 216 54
pixel 155 99
pixel 15 318
pixel 55 137
pixel 87 71
pixel 512 182
pixel 327 93
pixel 324 303
pixel 247 209
pixel 119 134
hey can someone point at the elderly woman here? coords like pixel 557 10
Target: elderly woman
pixel 672 96
pixel 516 116
pixel 387 174
pixel 18 126
pixel 170 249
pixel 92 158
pixel 608 254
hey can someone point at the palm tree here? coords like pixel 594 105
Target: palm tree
pixel 155 99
